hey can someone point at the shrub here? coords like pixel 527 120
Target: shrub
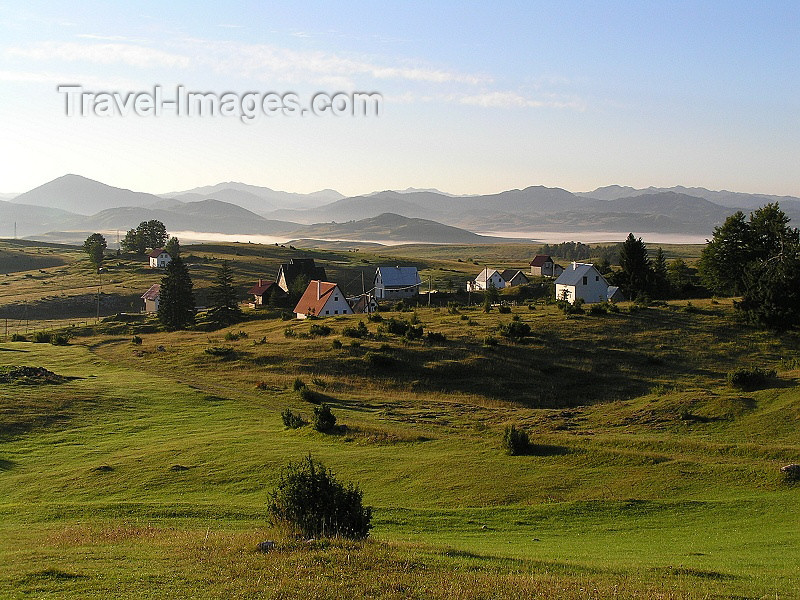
pixel 136 340
pixel 309 395
pixel 359 331
pixel 515 441
pixel 286 315
pixel 336 344
pixel 320 330
pixel 490 341
pixel 42 337
pixel 690 308
pixel 309 499
pixel 598 309
pixel 515 331
pixel 289 332
pixel 374 318
pixel 503 309
pixel 298 384
pixel 396 326
pixel 292 420
pixel 60 339
pixel 750 379
pixel 414 333
pixel 225 352
pixel 453 308
pixel 232 337
pixel 434 337
pixel 18 337
pixel 378 360
pixel 324 419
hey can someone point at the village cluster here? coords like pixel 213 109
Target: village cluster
pixel 323 298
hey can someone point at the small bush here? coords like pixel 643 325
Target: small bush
pixel 503 309
pixel 336 344
pixel 298 384
pixel 309 499
pixel 414 333
pixel 136 340
pixel 434 337
pixel 286 315
pixel 310 396
pixel 750 379
pixel 453 308
pixel 691 308
pixel 232 337
pixel 60 339
pixel 515 331
pixel 42 337
pixel 225 352
pixel 396 326
pixel 374 318
pixel 515 441
pixel 289 332
pixel 292 420
pixel 359 331
pixel 320 330
pixel 18 337
pixel 490 341
pixel 378 360
pixel 598 309
pixel 324 419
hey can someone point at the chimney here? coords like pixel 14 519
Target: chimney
pixel 260 283
pixel 574 265
pixel 318 289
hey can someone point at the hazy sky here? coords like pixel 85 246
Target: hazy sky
pixel 479 97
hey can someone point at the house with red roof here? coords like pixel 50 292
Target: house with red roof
pixel 159 258
pixel 151 298
pixel 322 299
pixel 543 265
pixel 265 290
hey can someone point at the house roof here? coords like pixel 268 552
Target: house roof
pixel 573 274
pixel 157 252
pixel 540 259
pixel 614 290
pixel 261 287
pixel 399 276
pixel 486 274
pixel 301 266
pixel 509 274
pixel 315 297
pixel 153 292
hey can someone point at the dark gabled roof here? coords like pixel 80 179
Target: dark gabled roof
pixel 157 252
pixel 509 274
pixel 262 287
pixel 540 259
pixel 153 292
pixel 399 276
pixel 301 266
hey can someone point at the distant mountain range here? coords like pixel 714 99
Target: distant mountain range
pixel 76 204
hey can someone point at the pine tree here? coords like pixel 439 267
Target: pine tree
pixel 176 306
pixel 173 247
pixel 225 308
pixel 723 260
pixel 636 267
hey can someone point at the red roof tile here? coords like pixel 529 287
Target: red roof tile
pixel 314 298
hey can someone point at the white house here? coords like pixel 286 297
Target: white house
pixel 581 280
pixel 485 278
pixel 159 258
pixel 396 282
pixel 151 298
pixel 322 299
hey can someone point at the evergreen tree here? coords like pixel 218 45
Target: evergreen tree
pixel 173 247
pixel 679 276
pixel 636 269
pixel 94 246
pixel 661 284
pixel 723 259
pixel 176 306
pixel 225 308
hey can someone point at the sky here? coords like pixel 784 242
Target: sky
pixel 477 97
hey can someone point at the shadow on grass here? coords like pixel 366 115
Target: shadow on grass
pixel 7 465
pixel 13 350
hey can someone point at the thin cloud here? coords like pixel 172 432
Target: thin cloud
pixel 112 53
pixel 508 99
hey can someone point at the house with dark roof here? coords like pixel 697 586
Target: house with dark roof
pixel 615 294
pixel 396 282
pixel 151 298
pixel 513 277
pixel 544 266
pixel 159 258
pixel 299 267
pixel 486 279
pixel 581 280
pixel 265 290
pixel 322 299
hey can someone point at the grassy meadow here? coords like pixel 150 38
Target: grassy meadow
pixel 145 469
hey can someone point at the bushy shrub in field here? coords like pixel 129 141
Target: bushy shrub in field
pixel 312 501
pixel 18 337
pixel 359 331
pixel 515 441
pixel 292 420
pixel 320 330
pixel 515 331
pixel 749 379
pixel 324 419
pixel 42 337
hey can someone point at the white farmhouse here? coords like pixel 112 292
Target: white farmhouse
pixel 159 258
pixel 581 280
pixel 485 279
pixel 396 282
pixel 322 299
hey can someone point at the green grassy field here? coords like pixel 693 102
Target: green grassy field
pixel 145 472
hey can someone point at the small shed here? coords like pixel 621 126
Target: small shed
pixel 265 290
pixel 151 298
pixel 615 294
pixel 514 277
pixel 544 266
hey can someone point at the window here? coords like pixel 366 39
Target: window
pixel 597 277
pixel 336 312
pixel 327 312
pixel 585 279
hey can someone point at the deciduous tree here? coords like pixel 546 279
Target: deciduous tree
pixel 95 246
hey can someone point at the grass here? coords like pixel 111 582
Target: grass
pixel 145 473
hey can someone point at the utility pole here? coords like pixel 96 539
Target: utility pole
pixel 99 287
pixel 429 290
